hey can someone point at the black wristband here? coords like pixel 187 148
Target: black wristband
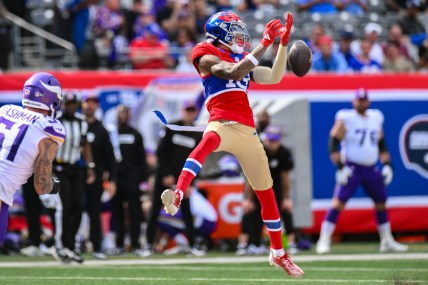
pixel 382 145
pixel 333 144
pixel 55 185
pixel 339 165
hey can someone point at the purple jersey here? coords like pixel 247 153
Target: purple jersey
pixel 360 144
pixel 21 130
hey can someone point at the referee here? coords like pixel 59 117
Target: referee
pixel 72 173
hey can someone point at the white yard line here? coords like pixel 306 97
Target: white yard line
pixel 221 260
pixel 250 269
pixel 249 280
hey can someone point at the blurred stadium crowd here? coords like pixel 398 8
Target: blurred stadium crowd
pixel 366 36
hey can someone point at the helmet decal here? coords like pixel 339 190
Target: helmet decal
pixel 54 89
pixel 42 91
pixel 228 29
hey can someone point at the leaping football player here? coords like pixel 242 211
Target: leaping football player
pixel 226 70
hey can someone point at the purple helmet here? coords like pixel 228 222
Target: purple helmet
pixel 229 166
pixel 42 91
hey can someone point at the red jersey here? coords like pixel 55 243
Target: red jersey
pixel 225 99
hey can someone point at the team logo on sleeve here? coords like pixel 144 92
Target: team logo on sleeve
pixel 414 144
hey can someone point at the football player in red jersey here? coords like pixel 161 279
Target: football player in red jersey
pixel 225 71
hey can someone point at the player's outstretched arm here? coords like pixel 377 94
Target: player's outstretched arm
pixel 266 75
pixel 210 64
pixel 43 182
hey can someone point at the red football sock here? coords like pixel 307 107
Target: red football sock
pixel 270 216
pixel 196 159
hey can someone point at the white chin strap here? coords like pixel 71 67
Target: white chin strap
pixel 235 48
pixel 53 112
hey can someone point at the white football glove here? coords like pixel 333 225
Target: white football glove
pixel 387 174
pixel 50 201
pixel 343 174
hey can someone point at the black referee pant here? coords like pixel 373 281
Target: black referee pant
pixel 93 193
pixel 157 206
pixel 127 192
pixel 252 223
pixel 72 178
pixel 33 208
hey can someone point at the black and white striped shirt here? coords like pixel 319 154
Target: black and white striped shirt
pixel 76 129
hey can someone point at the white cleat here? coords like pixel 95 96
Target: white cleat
pixel 390 245
pixel 284 262
pixel 194 252
pixel 323 246
pixel 32 251
pixel 147 251
pixel 171 201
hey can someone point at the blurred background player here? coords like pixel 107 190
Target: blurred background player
pixel 356 145
pixel 33 210
pixel 30 138
pixel 225 71
pixel 263 120
pixel 173 228
pixel 173 149
pixel 105 171
pixel 73 164
pixel 132 171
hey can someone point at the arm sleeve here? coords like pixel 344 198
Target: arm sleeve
pixel 265 75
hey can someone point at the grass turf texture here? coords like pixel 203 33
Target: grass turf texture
pixel 356 269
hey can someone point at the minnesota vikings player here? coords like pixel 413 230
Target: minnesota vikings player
pixel 225 71
pixel 356 145
pixel 29 139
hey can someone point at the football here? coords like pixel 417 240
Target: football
pixel 299 58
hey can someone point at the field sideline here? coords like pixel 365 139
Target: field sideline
pixel 344 266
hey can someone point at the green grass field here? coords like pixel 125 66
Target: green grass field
pixel 348 264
